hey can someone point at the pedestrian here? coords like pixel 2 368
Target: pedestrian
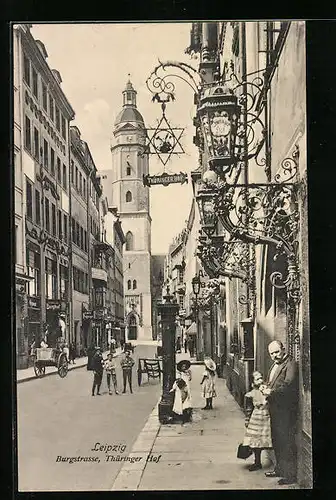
pixel 182 400
pixel 72 353
pixel 282 395
pixel 113 346
pixel 185 346
pixel 32 347
pixel 184 372
pixel 191 347
pixel 98 369
pixel 257 421
pixel 90 353
pixel 178 344
pixel 208 383
pixel 43 343
pixel 66 351
pixel 110 368
pixel 127 363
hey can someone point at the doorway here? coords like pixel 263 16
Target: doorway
pixel 132 328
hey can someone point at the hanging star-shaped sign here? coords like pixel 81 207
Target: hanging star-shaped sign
pixel 164 140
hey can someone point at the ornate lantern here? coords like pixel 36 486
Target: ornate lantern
pixel 218 113
pixel 206 206
pixel 196 284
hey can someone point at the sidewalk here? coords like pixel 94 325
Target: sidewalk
pixel 29 374
pixel 198 455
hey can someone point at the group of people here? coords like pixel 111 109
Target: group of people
pixel 182 407
pixel 98 364
pixel 271 415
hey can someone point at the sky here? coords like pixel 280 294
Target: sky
pixel 94 61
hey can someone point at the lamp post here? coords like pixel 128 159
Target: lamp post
pixel 168 312
pixel 196 286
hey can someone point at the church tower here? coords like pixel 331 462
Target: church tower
pixel 126 191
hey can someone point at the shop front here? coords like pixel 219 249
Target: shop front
pixel 57 318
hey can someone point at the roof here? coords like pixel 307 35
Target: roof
pixel 129 114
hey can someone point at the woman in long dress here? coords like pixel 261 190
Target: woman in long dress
pixel 208 383
pixel 257 422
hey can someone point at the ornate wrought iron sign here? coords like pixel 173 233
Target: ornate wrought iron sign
pixel 165 179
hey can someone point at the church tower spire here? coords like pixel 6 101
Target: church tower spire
pixel 129 94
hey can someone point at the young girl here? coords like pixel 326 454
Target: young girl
pixel 182 401
pixel 209 383
pixel 257 421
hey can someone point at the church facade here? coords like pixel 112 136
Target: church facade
pixel 123 186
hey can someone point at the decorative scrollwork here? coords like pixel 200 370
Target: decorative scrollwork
pixel 162 87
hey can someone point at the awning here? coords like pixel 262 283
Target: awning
pixel 192 330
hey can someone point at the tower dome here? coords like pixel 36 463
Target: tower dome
pixel 129 112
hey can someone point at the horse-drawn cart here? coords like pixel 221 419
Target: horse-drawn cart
pixel 48 356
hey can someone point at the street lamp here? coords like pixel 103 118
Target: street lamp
pixel 206 206
pixel 218 114
pixel 196 286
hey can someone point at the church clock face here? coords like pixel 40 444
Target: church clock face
pixel 129 138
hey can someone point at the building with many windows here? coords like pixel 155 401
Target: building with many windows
pixel 45 114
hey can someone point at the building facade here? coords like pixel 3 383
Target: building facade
pixel 262 293
pixel 44 114
pixel 123 186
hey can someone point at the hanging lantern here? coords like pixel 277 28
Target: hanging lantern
pixel 218 113
pixel 206 207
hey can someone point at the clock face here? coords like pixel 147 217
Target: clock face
pixel 129 138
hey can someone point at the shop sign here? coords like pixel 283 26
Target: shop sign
pixel 55 305
pixel 165 179
pixel 99 314
pixel 34 302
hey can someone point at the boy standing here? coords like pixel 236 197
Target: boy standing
pixel 110 367
pixel 127 364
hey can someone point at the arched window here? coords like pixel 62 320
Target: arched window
pixel 134 284
pixel 129 284
pixel 129 241
pixel 128 196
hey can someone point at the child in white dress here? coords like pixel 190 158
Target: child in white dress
pixel 208 383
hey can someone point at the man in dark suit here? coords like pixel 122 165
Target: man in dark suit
pixel 282 396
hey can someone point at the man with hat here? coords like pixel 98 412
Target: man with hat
pixel 98 369
pixel 127 363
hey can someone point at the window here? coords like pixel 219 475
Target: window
pixel 73 229
pixel 128 196
pixel 52 162
pixel 64 176
pixel 45 153
pixel 84 187
pixel 37 207
pixel 129 241
pixel 51 108
pixel 76 179
pixel 57 115
pixel 35 83
pixel 64 282
pixel 63 128
pixel 134 284
pixel 27 134
pixel 77 235
pixel 72 171
pixel 60 224
pixel 53 219
pixel 29 199
pixel 65 227
pixel 129 285
pixel 44 97
pixel 59 174
pixel 47 215
pixel 36 143
pixel 128 171
pixel 34 266
pixel 26 69
pixel 80 183
pixel 51 278
pixel 82 238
